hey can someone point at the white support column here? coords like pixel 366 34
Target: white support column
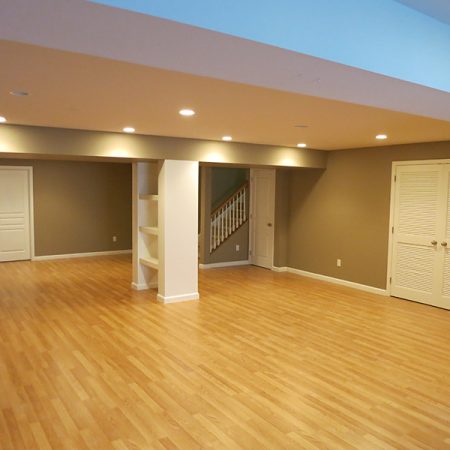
pixel 178 225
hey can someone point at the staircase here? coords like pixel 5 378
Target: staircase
pixel 228 217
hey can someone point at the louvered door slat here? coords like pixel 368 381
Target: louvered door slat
pixel 417 220
pixel 418 202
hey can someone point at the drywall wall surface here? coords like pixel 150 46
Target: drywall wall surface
pixel 227 252
pixel 343 212
pixel 281 217
pixel 224 181
pixel 18 141
pixel 80 206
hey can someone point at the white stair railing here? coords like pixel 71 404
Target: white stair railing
pixel 228 217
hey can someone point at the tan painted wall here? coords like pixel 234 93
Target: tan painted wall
pixel 227 251
pixel 343 212
pixel 224 181
pixel 79 206
pixel 37 142
pixel 281 217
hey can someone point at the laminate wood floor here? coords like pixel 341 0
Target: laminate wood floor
pixel 264 361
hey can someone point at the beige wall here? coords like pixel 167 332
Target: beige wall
pixel 18 141
pixel 343 212
pixel 227 251
pixel 79 206
pixel 224 182
pixel 281 217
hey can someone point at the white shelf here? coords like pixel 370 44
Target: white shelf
pixel 149 230
pixel 150 262
pixel 153 197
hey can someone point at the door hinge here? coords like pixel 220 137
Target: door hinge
pixel 390 280
pixel 392 230
pixel 395 178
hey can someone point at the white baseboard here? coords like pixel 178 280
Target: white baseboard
pixel 144 286
pixel 81 255
pixel 280 269
pixel 178 298
pixel 245 262
pixel 351 284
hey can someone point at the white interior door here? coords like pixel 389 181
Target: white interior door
pixel 420 219
pixel 445 244
pixel 262 192
pixel 15 228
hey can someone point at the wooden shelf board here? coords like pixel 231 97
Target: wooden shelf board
pixel 148 197
pixel 149 230
pixel 150 262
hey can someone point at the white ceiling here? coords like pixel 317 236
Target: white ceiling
pixel 438 9
pixel 130 69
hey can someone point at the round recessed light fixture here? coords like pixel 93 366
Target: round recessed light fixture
pixel 301 145
pixel 381 137
pixel 128 130
pixel 227 138
pixel 187 112
pixel 2 119
pixel 19 93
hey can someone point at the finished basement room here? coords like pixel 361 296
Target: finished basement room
pixel 224 227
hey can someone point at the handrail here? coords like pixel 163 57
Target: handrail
pixel 245 184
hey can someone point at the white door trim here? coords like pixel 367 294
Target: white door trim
pixel 29 169
pixel 396 164
pixel 252 221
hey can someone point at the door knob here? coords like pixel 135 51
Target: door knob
pixel 269 224
pixel 433 242
pixel 444 244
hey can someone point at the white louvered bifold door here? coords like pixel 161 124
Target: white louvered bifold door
pixel 444 244
pixel 418 224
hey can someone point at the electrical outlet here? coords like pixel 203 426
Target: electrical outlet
pixel 237 247
pixel 114 238
pixel 338 263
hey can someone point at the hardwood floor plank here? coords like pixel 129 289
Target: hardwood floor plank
pixel 263 360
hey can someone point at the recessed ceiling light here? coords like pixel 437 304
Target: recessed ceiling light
pixel 381 137
pixel 301 145
pixel 19 93
pixel 227 138
pixel 187 112
pixel 129 130
pixel 2 119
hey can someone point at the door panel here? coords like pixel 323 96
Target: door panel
pixel 445 249
pixel 15 233
pixel 262 219
pixel 417 223
pixel 414 267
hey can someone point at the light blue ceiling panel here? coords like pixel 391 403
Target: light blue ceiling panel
pixel 381 36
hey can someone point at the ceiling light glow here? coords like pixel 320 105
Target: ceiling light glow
pixel 187 112
pixel 381 137
pixel 227 138
pixel 301 145
pixel 129 130
pixel 2 119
